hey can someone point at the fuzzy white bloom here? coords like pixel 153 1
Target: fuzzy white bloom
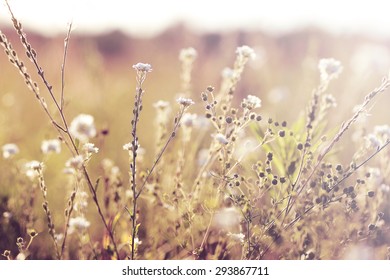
pixel 51 146
pixel 143 67
pixel 161 105
pixel 252 102
pixel 245 51
pixel 240 237
pixel 185 101
pixel 372 141
pixel 90 148
pixel 81 201
pixel 34 165
pixel 78 223
pixel 32 168
pixel 227 218
pixel 9 150
pixel 330 68
pixel 382 131
pixel 137 242
pixel 82 127
pixel 188 54
pixel 189 119
pixel 75 162
pixel 221 138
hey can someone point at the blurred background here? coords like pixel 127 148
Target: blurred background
pixel 289 38
pixel 110 36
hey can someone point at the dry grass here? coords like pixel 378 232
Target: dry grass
pixel 236 175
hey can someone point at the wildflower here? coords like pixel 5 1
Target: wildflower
pixel 137 242
pixel 188 119
pixel 185 101
pixel 329 68
pixel 161 105
pixel 251 102
pixel 382 131
pixel 75 162
pixel 143 67
pixel 237 236
pixel 78 223
pixel 52 145
pixel 227 217
pixel 81 201
pixel 90 148
pixel 10 150
pixel 34 165
pixel 32 168
pixel 245 51
pixel 82 127
pixel 188 54
pixel 221 138
pixel 372 141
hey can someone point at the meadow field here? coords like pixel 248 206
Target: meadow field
pixel 235 145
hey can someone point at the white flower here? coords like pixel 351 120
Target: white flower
pixel 32 168
pixel 90 148
pixel 78 223
pixel 329 68
pixel 34 165
pixel 246 52
pixel 227 73
pixel 82 127
pixel 227 218
pixel 188 54
pixel 52 145
pixel 372 141
pixel 185 101
pixel 252 102
pixel 75 162
pixel 237 236
pixel 137 242
pixel 382 131
pixel 188 119
pixel 221 138
pixel 161 105
pixel 10 150
pixel 143 67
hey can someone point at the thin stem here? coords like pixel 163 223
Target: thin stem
pixel 66 45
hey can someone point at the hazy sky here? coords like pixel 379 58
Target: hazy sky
pixel 146 17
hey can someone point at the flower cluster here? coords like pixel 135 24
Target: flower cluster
pixel 245 51
pixel 82 127
pixel 330 68
pixel 186 102
pixel 251 102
